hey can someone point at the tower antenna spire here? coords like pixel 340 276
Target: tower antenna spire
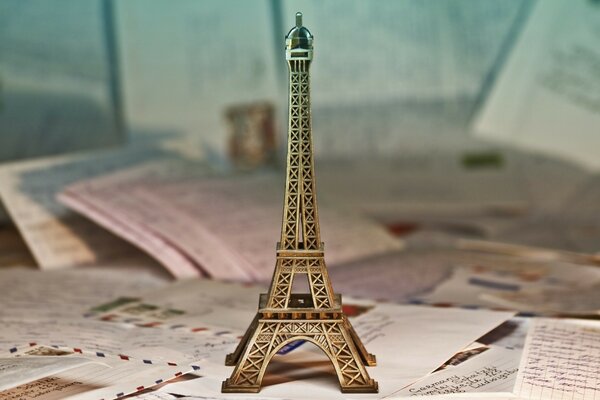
pixel 298 19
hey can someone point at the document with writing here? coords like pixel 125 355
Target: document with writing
pixel 547 96
pixel 226 226
pixel 480 283
pixel 29 294
pixel 188 304
pixel 395 277
pixel 491 373
pixel 112 378
pixel 561 360
pixel 56 236
pixel 421 188
pixel 574 301
pixel 169 345
pixel 49 307
pixel 15 371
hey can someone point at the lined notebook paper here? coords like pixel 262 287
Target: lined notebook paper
pixel 561 360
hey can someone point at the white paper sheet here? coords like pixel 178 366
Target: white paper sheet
pixel 226 226
pixel 582 301
pixel 169 345
pixel 166 396
pixel 187 304
pixel 481 284
pixel 560 360
pixel 111 379
pixel 56 236
pixel 17 371
pixel 546 98
pixel 435 273
pixel 424 185
pixel 68 294
pixel 49 307
pixel 395 277
pixel 488 374
pixel 156 396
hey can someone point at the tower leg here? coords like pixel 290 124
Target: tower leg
pixel 281 285
pixel 367 358
pixel 333 337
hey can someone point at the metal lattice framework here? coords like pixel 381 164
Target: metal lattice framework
pixel 300 196
pixel 286 269
pixel 329 335
pixel 285 317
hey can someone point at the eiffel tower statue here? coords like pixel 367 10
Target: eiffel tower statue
pixel 285 317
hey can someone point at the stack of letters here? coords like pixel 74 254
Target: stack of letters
pixel 467 275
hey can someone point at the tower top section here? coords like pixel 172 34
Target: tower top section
pixel 299 42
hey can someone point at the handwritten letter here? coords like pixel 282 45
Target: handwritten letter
pixel 494 371
pixel 561 360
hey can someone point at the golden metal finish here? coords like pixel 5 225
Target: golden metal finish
pixel 284 317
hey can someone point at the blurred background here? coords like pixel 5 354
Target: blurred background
pixel 476 116
pixel 388 76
